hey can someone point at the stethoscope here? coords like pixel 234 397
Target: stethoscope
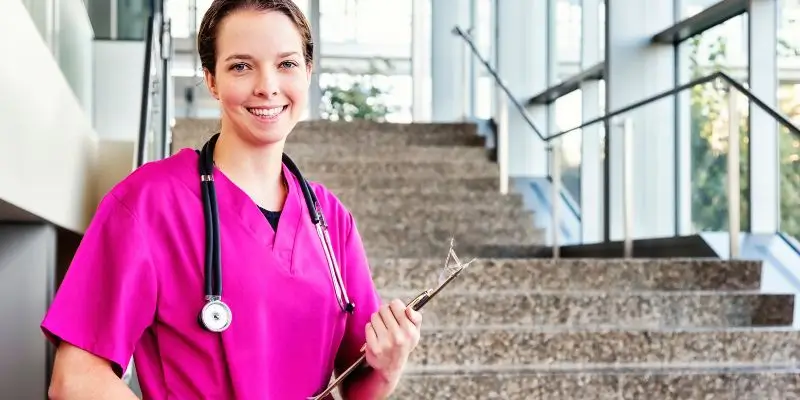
pixel 216 315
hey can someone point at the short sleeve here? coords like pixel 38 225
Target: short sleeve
pixel 108 296
pixel 361 289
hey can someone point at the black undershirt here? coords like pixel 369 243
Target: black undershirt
pixel 272 217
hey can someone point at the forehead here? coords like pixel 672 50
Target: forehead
pixel 257 32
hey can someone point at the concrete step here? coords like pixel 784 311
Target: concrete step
pixel 393 198
pixel 409 183
pixel 571 274
pixel 740 382
pixel 443 215
pixel 192 132
pixel 377 133
pixel 492 226
pixel 424 190
pixel 403 237
pixel 514 345
pixel 429 169
pixel 304 152
pixel 652 310
pixel 432 249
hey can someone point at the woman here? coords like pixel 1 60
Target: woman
pixel 137 282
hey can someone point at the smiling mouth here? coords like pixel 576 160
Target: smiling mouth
pixel 267 113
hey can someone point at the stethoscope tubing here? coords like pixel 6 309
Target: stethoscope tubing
pixel 213 253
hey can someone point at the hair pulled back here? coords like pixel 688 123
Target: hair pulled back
pixel 219 9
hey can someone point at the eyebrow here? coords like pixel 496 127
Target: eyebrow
pixel 249 57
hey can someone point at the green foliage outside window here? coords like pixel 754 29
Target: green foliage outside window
pixel 356 97
pixel 709 131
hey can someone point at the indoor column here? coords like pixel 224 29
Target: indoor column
pixel 637 68
pixel 591 144
pixel 448 68
pixel 764 153
pixel 522 63
pixel 314 90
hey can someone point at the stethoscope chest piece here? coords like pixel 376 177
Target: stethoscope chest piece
pixel 216 316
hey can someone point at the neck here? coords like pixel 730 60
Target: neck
pixel 257 170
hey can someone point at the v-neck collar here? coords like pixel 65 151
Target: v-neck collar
pixel 236 203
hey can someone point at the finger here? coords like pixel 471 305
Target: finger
pixel 378 326
pixel 372 337
pixel 414 316
pixel 401 315
pixel 388 316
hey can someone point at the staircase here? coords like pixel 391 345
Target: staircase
pixel 514 326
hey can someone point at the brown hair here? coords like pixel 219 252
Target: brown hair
pixel 219 9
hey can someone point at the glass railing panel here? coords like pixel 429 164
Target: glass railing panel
pixel 710 111
pixel 789 145
pixel 789 161
pixel 638 146
pixel 568 113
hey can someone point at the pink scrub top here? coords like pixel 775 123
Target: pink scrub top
pixel 136 286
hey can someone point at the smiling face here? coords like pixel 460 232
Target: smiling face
pixel 261 75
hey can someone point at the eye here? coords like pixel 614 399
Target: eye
pixel 238 67
pixel 288 64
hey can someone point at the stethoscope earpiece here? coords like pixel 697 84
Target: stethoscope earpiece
pixel 216 316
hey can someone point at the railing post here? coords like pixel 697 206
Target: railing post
pixel 467 82
pixel 733 173
pixel 502 140
pixel 627 192
pixel 554 146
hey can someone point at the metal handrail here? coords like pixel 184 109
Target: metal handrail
pixel 627 139
pixel 460 32
pixel 783 120
pixel 699 81
pixel 155 82
pixel 144 113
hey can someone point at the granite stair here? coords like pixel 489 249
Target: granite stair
pixel 515 326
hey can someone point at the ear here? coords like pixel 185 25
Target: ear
pixel 211 83
pixel 308 72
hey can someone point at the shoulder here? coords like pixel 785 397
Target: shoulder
pixel 337 213
pixel 155 184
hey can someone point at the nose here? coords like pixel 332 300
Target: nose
pixel 267 84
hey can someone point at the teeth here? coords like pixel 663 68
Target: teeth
pixel 266 112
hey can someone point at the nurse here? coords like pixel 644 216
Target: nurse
pixel 137 282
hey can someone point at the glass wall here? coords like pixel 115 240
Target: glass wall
pixel 689 8
pixel 132 19
pixel 378 31
pixel 66 29
pixel 568 111
pixel 722 48
pixel 568 34
pixel 788 64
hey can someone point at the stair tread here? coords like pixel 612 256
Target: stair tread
pixel 683 368
pixel 489 330
pixel 570 274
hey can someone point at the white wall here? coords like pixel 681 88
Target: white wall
pixel 118 69
pixel 47 144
